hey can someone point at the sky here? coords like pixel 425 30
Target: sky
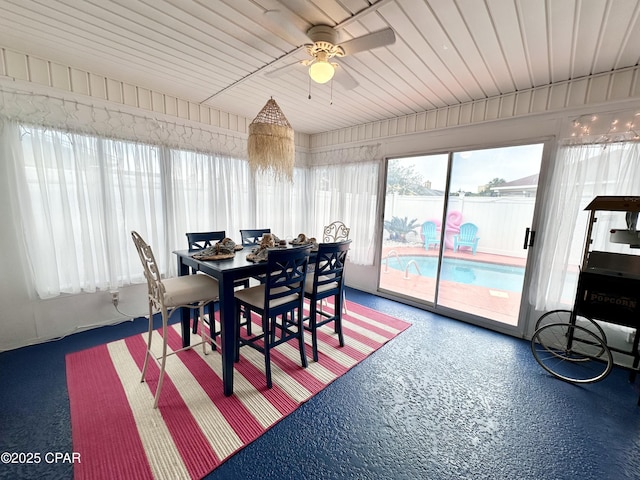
pixel 472 169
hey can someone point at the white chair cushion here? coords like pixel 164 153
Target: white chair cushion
pixel 254 296
pixel 308 285
pixel 190 289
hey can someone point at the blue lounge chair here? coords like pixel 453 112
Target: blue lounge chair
pixel 466 238
pixel 430 234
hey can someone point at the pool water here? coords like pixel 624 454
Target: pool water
pixel 489 275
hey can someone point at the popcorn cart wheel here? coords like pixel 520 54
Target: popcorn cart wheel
pixel 571 344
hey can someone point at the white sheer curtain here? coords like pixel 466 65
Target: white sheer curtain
pixel 580 173
pixel 80 196
pixel 283 206
pixel 207 193
pixel 347 192
pixel 15 276
pixel 213 192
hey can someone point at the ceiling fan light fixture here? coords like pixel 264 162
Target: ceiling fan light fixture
pixel 321 71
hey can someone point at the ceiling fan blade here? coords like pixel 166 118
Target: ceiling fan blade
pixel 284 69
pixel 344 78
pixel 369 41
pixel 284 24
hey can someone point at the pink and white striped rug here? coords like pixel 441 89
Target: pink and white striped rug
pixel 119 434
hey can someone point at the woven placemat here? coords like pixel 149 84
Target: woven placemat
pixel 220 256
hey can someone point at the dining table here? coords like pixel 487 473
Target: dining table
pixel 226 271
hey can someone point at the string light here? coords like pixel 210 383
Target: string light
pixel 606 128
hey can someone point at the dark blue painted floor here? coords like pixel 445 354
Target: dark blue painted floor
pixel 444 400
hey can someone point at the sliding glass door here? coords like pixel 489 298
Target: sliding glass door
pixel 457 228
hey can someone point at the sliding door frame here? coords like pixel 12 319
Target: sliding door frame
pixel 526 313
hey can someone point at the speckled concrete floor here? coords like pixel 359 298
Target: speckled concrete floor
pixel 444 400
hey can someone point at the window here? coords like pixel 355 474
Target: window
pixel 80 196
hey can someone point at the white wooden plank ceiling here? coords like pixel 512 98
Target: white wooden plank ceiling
pixel 218 51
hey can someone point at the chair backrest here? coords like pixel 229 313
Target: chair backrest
pixel 251 238
pixel 429 229
pixel 150 267
pixel 335 232
pixel 328 275
pixel 468 231
pixel 202 240
pixel 286 268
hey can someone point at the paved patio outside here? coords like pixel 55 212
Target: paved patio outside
pixel 499 305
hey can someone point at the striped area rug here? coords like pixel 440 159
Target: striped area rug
pixel 119 434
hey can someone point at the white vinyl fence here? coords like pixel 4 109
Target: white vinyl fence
pixel 501 221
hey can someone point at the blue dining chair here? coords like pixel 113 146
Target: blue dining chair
pixel 466 238
pixel 200 241
pixel 326 280
pixel 280 303
pixel 251 238
pixel 430 234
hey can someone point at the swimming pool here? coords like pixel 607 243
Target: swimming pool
pixel 489 275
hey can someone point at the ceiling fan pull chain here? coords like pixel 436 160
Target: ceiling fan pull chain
pixel 309 88
pixel 331 98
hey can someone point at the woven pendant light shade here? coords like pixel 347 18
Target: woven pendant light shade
pixel 271 144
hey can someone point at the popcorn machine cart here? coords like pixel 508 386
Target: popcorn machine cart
pixel 572 344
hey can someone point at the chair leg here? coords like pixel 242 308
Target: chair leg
pixel 300 323
pixel 267 350
pixel 194 323
pixel 203 335
pixel 213 333
pixel 163 363
pixel 272 328
pixel 337 322
pixel 236 326
pixel 312 326
pixel 286 323
pixel 247 317
pixel 324 302
pixel 344 303
pixel 199 313
pixel 149 337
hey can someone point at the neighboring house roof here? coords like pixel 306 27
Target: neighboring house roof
pixel 521 184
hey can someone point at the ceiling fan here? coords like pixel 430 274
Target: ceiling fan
pixel 325 50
